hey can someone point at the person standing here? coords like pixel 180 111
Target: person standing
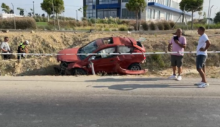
pixel 201 57
pixel 5 48
pixel 178 44
pixel 22 48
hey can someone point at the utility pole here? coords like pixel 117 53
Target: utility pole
pixel 95 13
pixel 76 15
pixel 210 13
pixel 33 10
pixel 14 16
pixel 63 15
pixel 147 11
pixel 53 14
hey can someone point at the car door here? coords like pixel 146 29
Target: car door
pixel 125 60
pixel 104 62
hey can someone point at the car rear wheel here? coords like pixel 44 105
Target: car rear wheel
pixel 134 67
pixel 79 71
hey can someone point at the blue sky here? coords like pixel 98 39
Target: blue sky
pixel 72 5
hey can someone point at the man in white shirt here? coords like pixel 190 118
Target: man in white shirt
pixel 202 47
pixel 5 49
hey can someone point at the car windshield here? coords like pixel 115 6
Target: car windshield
pixel 90 48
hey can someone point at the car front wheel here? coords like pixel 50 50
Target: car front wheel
pixel 134 67
pixel 78 71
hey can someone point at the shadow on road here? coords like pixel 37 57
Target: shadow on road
pixel 126 79
pixel 38 81
pixel 128 87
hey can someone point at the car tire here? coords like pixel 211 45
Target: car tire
pixel 134 67
pixel 78 71
pixel 63 66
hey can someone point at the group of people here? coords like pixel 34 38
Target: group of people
pixel 178 44
pixel 5 48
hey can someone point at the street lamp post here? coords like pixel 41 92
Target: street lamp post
pixel 14 16
pixel 210 15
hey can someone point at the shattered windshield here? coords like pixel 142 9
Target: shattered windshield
pixel 90 48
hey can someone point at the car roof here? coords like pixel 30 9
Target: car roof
pixel 124 41
pixel 127 41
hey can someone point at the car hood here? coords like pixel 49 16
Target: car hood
pixel 67 55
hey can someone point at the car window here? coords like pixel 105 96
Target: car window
pixel 125 49
pixel 104 53
pixel 89 48
pixel 108 41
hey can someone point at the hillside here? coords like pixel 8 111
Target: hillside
pixel 52 42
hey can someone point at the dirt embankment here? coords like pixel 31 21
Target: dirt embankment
pixel 52 42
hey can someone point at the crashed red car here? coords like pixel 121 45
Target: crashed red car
pixel 105 62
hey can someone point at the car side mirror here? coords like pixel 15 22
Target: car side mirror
pixel 92 58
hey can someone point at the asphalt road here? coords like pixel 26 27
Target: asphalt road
pixel 107 102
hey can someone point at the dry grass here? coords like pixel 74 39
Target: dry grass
pixel 52 42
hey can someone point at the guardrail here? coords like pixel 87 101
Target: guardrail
pixel 146 53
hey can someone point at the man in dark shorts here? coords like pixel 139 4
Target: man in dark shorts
pixel 5 48
pixel 22 48
pixel 178 43
pixel 202 54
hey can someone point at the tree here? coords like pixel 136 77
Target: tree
pixel 43 15
pixel 83 9
pixel 204 15
pixel 191 6
pixel 136 6
pixel 49 5
pixel 6 8
pixel 21 11
pixel 217 18
pixel 200 14
pixel 29 14
pixel 11 11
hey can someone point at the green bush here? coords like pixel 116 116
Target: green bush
pixel 21 23
pixel 93 21
pixel 131 28
pixel 152 26
pixel 125 22
pixel 145 25
pixel 172 24
pixel 123 28
pixel 166 25
pixel 160 26
pixel 106 29
pixel 40 19
pixel 49 27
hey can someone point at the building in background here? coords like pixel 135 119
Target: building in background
pixel 4 15
pixel 156 10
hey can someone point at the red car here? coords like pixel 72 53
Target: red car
pixel 120 64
